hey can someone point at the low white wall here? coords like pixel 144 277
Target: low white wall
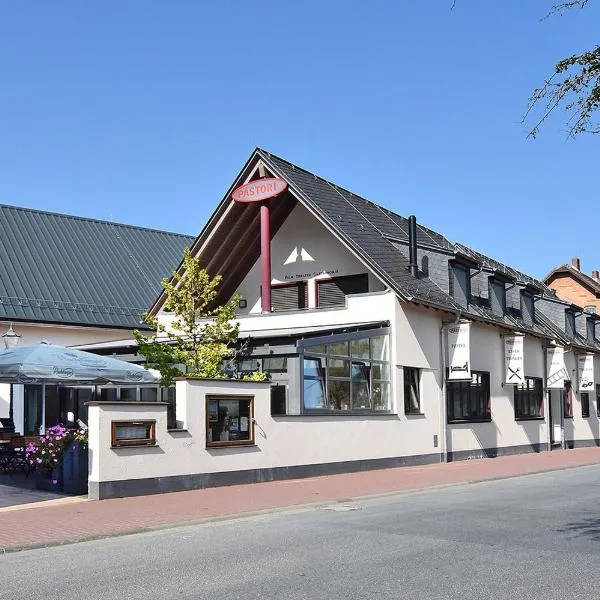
pixel 279 441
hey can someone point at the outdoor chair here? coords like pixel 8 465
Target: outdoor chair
pixel 12 455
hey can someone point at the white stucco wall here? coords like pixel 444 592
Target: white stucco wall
pixel 280 441
pixel 487 354
pixel 581 428
pixel 303 249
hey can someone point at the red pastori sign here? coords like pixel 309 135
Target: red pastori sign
pixel 260 189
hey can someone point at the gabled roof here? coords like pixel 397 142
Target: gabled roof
pixel 57 268
pixel 228 243
pixel 585 280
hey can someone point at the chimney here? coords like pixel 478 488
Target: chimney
pixel 576 263
pixel 412 246
pixel 596 275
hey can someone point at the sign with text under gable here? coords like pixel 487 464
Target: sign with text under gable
pixel 459 351
pixel 556 372
pixel 514 359
pixel 585 372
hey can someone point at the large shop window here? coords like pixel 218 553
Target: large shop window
pixel 568 400
pixel 289 296
pixel 469 400
pixel 229 421
pixel 529 399
pixel 347 375
pixel 333 292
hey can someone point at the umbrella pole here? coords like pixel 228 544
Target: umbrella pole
pixel 42 430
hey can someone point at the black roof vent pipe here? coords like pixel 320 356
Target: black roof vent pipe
pixel 412 246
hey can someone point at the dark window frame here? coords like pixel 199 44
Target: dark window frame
pixel 319 282
pixel 570 324
pixel 493 284
pixel 584 399
pixel 591 329
pixel 598 399
pixel 148 440
pixel 568 400
pixel 454 266
pixel 527 298
pixel 377 387
pixel 529 401
pixel 412 375
pixel 230 443
pixel 465 389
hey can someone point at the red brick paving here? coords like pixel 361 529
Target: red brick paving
pixel 56 524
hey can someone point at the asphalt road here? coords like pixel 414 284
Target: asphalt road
pixel 532 537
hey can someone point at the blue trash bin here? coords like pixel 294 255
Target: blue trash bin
pixel 75 469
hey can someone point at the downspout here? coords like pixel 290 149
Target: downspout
pixel 547 400
pixel 444 406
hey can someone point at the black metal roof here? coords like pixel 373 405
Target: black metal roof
pixel 63 269
pixel 374 232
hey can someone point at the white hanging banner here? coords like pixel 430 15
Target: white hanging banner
pixel 514 359
pixel 459 351
pixel 555 367
pixel 585 370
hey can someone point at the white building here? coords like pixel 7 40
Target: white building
pixel 358 330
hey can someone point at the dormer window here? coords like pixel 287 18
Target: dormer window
pixel 591 329
pixel 527 308
pixel 460 282
pixel 497 290
pixel 570 323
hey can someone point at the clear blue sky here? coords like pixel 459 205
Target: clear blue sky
pixel 143 112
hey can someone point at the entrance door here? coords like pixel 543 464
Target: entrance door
pixel 556 417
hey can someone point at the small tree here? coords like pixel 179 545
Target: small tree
pixel 201 335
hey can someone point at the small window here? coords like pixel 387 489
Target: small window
pixel 585 404
pixel 333 292
pixel 108 394
pixel 148 394
pixel 168 395
pixel 591 330
pixel 133 433
pixel 412 401
pixel 128 394
pixel 570 323
pixel 497 291
pixel 529 399
pixel 568 400
pixel 229 421
pixel 278 400
pixel 290 296
pixel 527 308
pixel 460 283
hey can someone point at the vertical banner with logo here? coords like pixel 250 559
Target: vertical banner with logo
pixel 585 371
pixel 459 351
pixel 514 359
pixel 555 366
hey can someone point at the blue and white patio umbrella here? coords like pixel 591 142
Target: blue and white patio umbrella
pixel 47 363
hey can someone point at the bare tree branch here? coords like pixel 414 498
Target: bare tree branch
pixel 574 85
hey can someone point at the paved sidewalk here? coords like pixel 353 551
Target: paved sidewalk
pixel 57 523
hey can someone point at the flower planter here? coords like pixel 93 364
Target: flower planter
pixel 50 481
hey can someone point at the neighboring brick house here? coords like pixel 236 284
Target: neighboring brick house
pixel 572 285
